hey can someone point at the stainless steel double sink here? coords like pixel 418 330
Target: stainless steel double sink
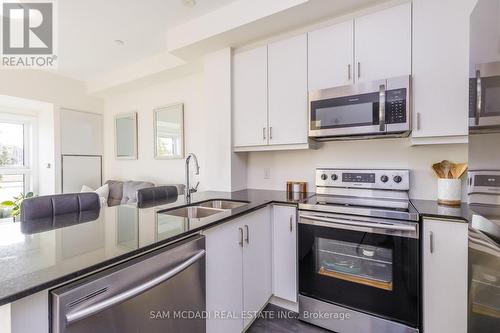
pixel 206 208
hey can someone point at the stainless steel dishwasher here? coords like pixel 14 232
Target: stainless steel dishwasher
pixel 162 291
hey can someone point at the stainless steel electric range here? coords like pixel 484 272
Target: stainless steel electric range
pixel 359 253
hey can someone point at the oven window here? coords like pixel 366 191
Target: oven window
pixel 358 263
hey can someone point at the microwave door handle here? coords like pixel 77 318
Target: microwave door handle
pixel 479 96
pixel 381 107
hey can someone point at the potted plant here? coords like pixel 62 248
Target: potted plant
pixel 16 204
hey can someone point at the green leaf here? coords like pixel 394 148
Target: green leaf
pixel 7 203
pixel 29 195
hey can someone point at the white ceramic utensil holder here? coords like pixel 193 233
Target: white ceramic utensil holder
pixel 449 191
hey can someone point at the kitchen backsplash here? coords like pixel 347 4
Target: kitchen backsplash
pixel 271 170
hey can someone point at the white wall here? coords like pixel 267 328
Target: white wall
pixel 61 92
pixel 188 90
pixel 384 153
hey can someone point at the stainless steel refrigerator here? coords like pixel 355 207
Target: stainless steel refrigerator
pixel 484 168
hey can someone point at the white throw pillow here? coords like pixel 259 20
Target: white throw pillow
pixel 102 192
pixel 86 188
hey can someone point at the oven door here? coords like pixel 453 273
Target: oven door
pixel 364 264
pixel 484 96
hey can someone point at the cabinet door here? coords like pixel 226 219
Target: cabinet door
pixel 440 68
pixel 257 261
pixel 250 98
pixel 445 247
pixel 285 252
pixel 224 279
pixel 287 60
pixel 383 44
pixel 330 56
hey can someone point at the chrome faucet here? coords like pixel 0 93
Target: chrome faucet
pixel 188 190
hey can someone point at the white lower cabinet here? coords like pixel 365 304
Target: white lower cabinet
pixel 238 271
pixel 285 252
pixel 445 246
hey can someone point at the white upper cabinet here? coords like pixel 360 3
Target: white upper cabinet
pixel 330 56
pixel 250 98
pixel 383 44
pixel 440 68
pixel 287 92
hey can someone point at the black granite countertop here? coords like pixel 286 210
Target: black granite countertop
pixel 34 259
pixel 431 208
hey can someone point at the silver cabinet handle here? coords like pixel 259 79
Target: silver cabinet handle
pixel 270 133
pixel 418 121
pixel 349 72
pixel 247 238
pixel 263 133
pixel 359 69
pixel 479 96
pixel 241 237
pixel 291 223
pixel 431 241
pixel 381 107
pixel 72 317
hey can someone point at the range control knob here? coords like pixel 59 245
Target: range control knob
pixel 397 179
pixel 384 179
pixel 324 176
pixel 335 177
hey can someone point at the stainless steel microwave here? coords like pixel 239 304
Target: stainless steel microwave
pixel 365 109
pixel 484 97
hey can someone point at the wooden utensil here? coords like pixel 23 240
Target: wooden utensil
pixel 438 170
pixel 446 166
pixel 458 170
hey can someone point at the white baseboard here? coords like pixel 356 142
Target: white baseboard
pixel 283 303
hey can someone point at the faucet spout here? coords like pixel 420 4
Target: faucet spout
pixel 188 189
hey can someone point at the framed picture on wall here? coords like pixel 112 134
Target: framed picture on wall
pixel 169 132
pixel 126 136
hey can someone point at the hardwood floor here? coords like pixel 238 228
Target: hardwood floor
pixel 278 320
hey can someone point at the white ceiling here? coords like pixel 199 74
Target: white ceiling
pixel 87 30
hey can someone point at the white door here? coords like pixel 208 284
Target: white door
pixel 257 262
pixel 445 247
pixel 287 61
pixel 383 44
pixel 285 252
pixel 250 98
pixel 330 56
pixel 224 279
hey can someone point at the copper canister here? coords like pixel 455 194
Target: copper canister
pixel 296 191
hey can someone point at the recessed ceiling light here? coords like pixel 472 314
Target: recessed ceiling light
pixel 119 42
pixel 189 3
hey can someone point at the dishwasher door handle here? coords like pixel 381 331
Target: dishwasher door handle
pixel 77 315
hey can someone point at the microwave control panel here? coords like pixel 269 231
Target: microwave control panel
pixel 395 104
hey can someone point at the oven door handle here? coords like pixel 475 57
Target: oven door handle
pixel 338 223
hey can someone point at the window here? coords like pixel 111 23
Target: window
pixel 15 160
